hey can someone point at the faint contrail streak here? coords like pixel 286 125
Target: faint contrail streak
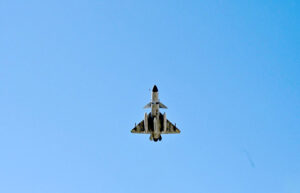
pixel 249 159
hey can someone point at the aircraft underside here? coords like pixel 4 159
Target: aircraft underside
pixel 155 123
pixel 163 126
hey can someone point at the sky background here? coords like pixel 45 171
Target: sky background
pixel 75 75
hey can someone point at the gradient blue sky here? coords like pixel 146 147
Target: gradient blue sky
pixel 74 76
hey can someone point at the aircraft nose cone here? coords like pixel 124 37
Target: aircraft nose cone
pixel 155 89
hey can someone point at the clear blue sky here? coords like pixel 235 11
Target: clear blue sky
pixel 74 76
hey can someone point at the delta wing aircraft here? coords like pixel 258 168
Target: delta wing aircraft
pixel 155 123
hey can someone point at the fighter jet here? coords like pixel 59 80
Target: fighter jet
pixel 155 123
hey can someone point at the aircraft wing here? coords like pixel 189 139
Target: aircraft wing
pixel 139 128
pixel 171 129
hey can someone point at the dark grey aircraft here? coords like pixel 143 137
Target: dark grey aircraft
pixel 155 123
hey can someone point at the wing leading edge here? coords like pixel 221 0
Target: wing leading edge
pixel 171 129
pixel 140 128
